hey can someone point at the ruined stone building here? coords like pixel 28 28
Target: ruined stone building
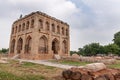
pixel 39 36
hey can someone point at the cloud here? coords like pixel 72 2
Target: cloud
pixel 11 9
pixel 100 19
pixel 89 20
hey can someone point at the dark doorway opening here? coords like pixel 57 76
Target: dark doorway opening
pixel 55 46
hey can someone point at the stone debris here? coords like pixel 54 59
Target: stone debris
pixel 75 56
pixel 95 66
pixel 57 57
pixel 3 61
pixel 101 73
pixel 93 59
pixel 98 59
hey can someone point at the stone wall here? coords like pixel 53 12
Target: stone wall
pixel 39 36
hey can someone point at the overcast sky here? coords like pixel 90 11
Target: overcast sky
pixel 89 20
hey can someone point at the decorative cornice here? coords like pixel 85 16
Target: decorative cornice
pixel 43 14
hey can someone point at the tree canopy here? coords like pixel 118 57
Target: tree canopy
pixel 117 38
pixel 93 49
pixel 4 50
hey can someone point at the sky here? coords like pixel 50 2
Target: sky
pixel 90 20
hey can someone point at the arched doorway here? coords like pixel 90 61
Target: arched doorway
pixel 43 47
pixel 19 45
pixel 12 46
pixel 64 47
pixel 28 44
pixel 55 46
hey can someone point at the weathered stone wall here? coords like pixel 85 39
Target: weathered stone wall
pixel 39 36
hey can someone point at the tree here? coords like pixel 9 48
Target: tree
pixel 112 49
pixel 80 51
pixel 73 52
pixel 117 38
pixel 4 50
pixel 91 49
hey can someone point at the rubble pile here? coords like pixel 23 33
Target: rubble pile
pixel 95 71
pixel 3 60
pixel 98 59
pixel 92 59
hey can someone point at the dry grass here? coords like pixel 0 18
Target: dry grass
pixel 27 71
pixel 79 63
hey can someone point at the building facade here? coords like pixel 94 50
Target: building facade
pixel 39 36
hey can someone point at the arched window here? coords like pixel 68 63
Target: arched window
pixel 28 45
pixel 43 45
pixel 19 45
pixel 58 29
pixel 53 28
pixel 64 47
pixel 16 29
pixel 19 28
pixel 67 32
pixel 32 23
pixel 12 48
pixel 27 25
pixel 23 26
pixel 62 30
pixel 13 30
pixel 47 26
pixel 41 24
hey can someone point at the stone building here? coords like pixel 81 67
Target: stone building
pixel 39 36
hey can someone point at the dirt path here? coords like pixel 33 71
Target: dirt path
pixel 47 63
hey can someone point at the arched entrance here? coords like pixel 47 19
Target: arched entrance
pixel 55 46
pixel 19 45
pixel 43 47
pixel 12 48
pixel 28 44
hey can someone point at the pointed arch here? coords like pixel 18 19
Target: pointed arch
pixel 19 45
pixel 58 29
pixel 53 27
pixel 12 47
pixel 28 45
pixel 32 23
pixel 13 30
pixel 67 32
pixel 47 26
pixel 55 46
pixel 16 29
pixel 64 47
pixel 27 25
pixel 63 31
pixel 23 26
pixel 19 29
pixel 43 45
pixel 41 23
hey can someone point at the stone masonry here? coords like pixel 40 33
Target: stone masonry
pixel 39 36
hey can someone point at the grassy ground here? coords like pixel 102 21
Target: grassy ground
pixel 76 63
pixel 116 65
pixel 30 71
pixel 27 71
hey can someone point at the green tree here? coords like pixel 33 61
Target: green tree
pixel 91 49
pixel 0 51
pixel 117 38
pixel 80 51
pixel 4 50
pixel 73 52
pixel 112 49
